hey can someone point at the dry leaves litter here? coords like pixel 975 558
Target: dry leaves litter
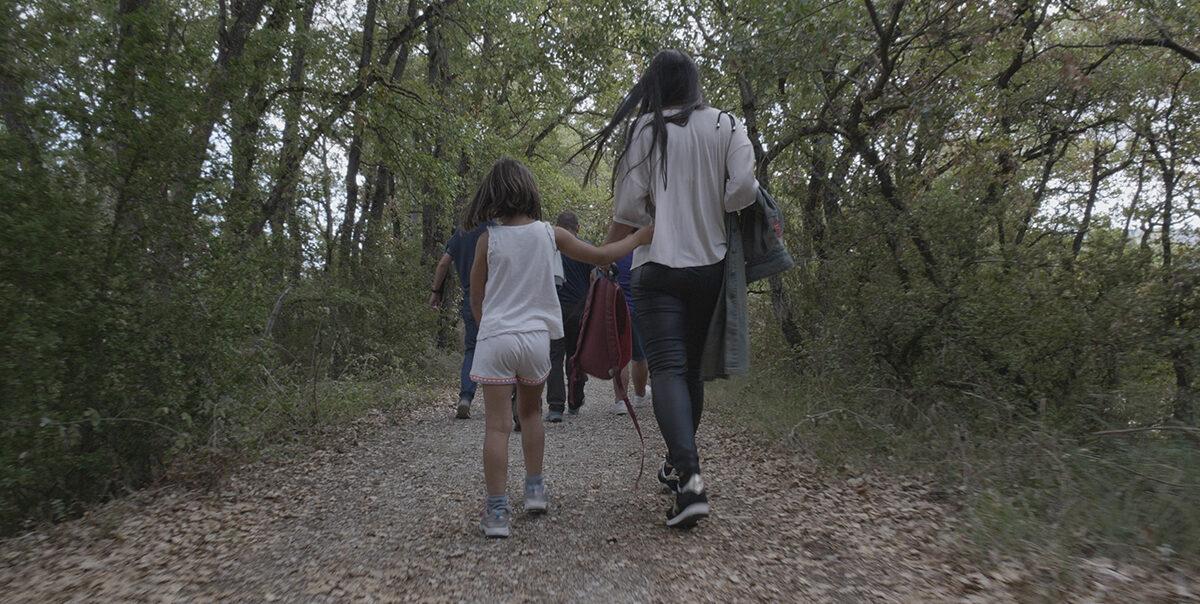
pixel 389 512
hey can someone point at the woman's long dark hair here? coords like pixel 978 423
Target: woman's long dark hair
pixel 671 80
pixel 507 190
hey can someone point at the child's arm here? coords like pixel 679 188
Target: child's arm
pixel 583 251
pixel 479 276
pixel 617 231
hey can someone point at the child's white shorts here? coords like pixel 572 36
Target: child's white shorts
pixel 511 358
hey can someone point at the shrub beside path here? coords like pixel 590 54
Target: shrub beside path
pixel 388 511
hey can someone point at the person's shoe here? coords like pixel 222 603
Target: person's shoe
pixel 639 401
pixel 464 408
pixel 668 477
pixel 554 417
pixel 691 504
pixel 573 410
pixel 535 499
pixel 495 522
pixel 619 407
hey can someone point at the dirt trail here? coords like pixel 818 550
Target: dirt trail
pixel 389 513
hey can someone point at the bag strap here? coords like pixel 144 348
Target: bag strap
pixel 728 144
pixel 574 370
pixel 614 339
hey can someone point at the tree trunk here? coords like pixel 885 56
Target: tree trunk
pixel 246 117
pixel 437 75
pixel 354 153
pixel 1184 409
pixel 818 184
pixel 1039 193
pixel 1133 203
pixel 231 46
pixel 127 220
pixel 379 190
pixel 1166 154
pixel 291 158
pixel 1093 190
pixel 12 98
pixel 330 240
pixel 779 298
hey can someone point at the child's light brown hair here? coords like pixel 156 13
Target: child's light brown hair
pixel 508 189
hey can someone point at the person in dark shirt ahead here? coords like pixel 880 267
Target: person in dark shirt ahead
pixel 460 251
pixel 572 295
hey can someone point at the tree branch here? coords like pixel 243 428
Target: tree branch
pixel 1162 42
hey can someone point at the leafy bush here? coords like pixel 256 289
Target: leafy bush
pixel 1010 400
pixel 114 368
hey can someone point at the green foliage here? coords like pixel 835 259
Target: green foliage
pixel 371 320
pixel 1026 486
pixel 220 219
pixel 1124 495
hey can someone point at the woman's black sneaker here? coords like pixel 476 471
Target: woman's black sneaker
pixel 691 504
pixel 668 477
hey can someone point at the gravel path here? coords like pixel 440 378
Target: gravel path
pixel 389 512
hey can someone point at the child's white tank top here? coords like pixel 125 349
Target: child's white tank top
pixel 520 295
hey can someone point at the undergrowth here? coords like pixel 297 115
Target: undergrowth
pixel 292 410
pixel 1028 489
pixel 1026 485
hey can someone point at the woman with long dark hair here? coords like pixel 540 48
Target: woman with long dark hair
pixel 681 165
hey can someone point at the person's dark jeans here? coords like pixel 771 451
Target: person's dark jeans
pixel 466 388
pixel 561 350
pixel 674 307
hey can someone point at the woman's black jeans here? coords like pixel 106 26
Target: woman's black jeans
pixel 674 307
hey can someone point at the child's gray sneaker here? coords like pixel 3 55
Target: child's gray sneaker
pixel 535 499
pixel 464 408
pixel 495 522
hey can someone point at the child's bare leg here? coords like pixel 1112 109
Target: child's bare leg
pixel 623 378
pixel 641 375
pixel 533 436
pixel 497 404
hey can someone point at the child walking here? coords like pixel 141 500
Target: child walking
pixel 515 304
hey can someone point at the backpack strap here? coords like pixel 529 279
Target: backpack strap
pixel 605 303
pixel 728 141
pixel 575 371
pixel 618 314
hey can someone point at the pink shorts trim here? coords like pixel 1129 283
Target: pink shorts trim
pixel 541 380
pixel 507 381
pixel 493 381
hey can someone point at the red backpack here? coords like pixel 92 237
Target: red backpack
pixel 605 345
